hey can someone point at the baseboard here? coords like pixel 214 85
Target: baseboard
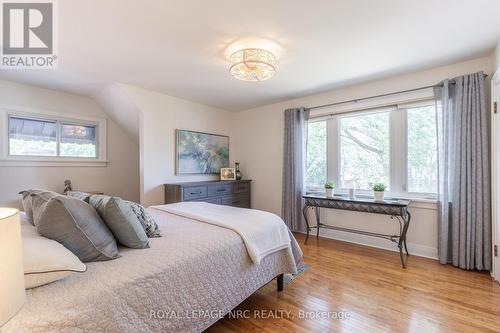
pixel 414 249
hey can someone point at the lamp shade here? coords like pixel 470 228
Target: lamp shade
pixel 11 265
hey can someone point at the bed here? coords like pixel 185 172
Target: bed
pixel 186 281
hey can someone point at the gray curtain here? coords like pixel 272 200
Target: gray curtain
pixel 293 167
pixel 464 176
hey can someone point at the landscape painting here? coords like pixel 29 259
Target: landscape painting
pixel 201 153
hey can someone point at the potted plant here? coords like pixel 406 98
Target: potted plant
pixel 329 187
pixel 378 191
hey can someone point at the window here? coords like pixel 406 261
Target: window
pixel 316 154
pixel 78 140
pixel 31 137
pixel 42 137
pixel 422 150
pixel 395 145
pixel 364 150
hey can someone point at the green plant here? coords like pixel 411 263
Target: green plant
pixel 330 185
pixel 379 187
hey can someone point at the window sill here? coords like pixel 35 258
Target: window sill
pixel 51 162
pixel 422 203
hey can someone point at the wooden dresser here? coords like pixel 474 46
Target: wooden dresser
pixel 232 192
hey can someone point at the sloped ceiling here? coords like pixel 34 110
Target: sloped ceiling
pixel 121 108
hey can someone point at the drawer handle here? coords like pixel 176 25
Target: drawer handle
pixel 221 190
pixel 193 193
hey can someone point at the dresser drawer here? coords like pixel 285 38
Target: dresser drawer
pixel 234 193
pixel 241 188
pixel 195 192
pixel 219 190
pixel 236 201
pixel 214 200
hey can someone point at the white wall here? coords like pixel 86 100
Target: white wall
pixel 160 116
pixel 259 147
pixel 497 57
pixel 119 177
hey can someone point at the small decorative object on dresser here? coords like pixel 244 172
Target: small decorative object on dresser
pixel 239 176
pixel 227 174
pixel 231 193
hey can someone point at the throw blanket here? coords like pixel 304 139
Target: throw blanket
pixel 262 232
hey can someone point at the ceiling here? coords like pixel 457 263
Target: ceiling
pixel 180 47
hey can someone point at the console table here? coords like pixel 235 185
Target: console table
pixel 396 209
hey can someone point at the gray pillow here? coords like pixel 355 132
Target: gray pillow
pixel 27 200
pixel 122 221
pixel 76 225
pixel 148 223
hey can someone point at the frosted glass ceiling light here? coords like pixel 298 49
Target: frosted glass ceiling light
pixel 252 65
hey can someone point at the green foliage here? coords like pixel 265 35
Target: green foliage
pixel 49 148
pixel 316 154
pixel 32 147
pixel 70 149
pixel 330 185
pixel 364 150
pixel 379 187
pixel 422 150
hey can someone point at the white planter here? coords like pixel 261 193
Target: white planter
pixel 329 192
pixel 379 195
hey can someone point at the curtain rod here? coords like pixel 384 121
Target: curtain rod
pixel 381 95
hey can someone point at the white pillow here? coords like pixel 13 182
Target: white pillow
pixel 45 260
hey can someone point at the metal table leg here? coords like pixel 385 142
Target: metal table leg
pixel 402 237
pixel 317 222
pixel 304 212
pixel 407 225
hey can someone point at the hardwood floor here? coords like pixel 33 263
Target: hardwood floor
pixel 376 293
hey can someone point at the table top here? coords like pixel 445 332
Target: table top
pixel 366 200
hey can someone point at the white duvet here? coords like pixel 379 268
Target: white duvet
pixel 263 233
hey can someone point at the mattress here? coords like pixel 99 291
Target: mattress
pixel 187 280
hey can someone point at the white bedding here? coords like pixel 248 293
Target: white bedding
pixel 263 233
pixel 194 269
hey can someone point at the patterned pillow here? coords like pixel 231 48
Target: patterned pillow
pixel 147 221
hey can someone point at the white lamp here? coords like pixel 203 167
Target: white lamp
pixel 11 265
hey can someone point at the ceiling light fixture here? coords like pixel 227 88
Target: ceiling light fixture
pixel 252 65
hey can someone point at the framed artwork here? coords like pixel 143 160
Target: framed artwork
pixel 227 174
pixel 200 153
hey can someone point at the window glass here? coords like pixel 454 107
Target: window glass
pixel 364 150
pixel 316 155
pixel 31 137
pixel 422 150
pixel 78 141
